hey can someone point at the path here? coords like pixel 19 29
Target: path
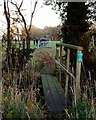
pixel 54 93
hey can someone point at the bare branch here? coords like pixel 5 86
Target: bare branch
pixel 32 15
pixel 24 21
pixel 3 31
pixel 5 11
pixel 7 15
pixel 21 4
pixel 18 8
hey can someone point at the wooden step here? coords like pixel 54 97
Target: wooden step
pixel 54 93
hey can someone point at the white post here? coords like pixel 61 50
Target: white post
pixel 49 42
pixel 61 40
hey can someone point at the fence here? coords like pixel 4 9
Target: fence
pixel 66 67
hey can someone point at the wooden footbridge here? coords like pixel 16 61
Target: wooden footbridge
pixel 54 93
pixel 56 97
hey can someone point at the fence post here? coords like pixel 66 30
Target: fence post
pixel 49 43
pixel 78 72
pixel 60 61
pixel 1 59
pixel 67 77
pixel 57 58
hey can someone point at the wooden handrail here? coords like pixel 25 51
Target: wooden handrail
pixel 64 69
pixel 70 46
pixel 78 67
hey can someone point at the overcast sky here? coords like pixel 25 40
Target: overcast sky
pixel 44 15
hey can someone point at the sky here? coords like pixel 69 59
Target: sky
pixel 44 15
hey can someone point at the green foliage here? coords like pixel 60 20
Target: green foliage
pixel 16 107
pixel 74 17
pixel 83 110
pixel 89 53
pixel 20 88
pixel 19 57
pixel 75 25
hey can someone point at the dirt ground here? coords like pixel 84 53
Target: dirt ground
pixel 38 51
pixel 45 58
pixel 50 51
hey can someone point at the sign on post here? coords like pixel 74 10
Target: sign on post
pixel 79 56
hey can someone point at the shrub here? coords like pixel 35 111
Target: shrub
pixel 15 105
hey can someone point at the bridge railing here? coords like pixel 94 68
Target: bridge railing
pixel 66 68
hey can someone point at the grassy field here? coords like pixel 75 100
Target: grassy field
pixel 51 44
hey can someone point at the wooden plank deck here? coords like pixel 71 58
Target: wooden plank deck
pixel 54 93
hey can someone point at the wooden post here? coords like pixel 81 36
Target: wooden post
pixel 57 54
pixel 57 58
pixel 78 71
pixel 78 68
pixel 1 59
pixel 93 41
pixel 60 50
pixel 67 77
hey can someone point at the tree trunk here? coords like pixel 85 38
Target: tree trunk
pixel 23 43
pixel 28 41
pixel 7 15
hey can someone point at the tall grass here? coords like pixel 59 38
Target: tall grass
pixel 19 96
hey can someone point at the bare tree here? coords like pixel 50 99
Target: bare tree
pixel 27 30
pixel 7 15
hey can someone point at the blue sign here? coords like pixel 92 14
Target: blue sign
pixel 79 57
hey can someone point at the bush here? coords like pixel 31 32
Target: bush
pixel 15 105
